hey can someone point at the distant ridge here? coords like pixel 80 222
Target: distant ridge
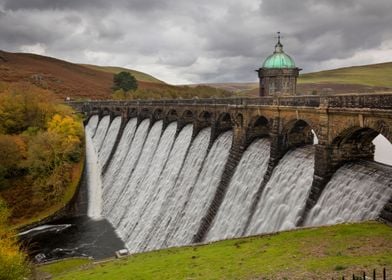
pixel 140 76
pixel 365 78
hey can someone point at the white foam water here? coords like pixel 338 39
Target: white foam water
pixel 156 199
pixel 109 140
pixel 100 133
pixel 93 176
pixel 356 192
pixel 284 197
pixel 176 200
pixel 140 202
pixel 203 191
pixel 233 214
pixel 113 208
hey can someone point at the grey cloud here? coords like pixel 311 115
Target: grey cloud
pixel 233 36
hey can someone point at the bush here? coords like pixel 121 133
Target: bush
pixel 13 264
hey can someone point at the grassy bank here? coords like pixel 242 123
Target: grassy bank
pixel 317 253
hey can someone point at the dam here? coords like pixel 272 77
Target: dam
pixel 172 173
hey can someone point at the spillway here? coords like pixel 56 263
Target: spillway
pixel 108 142
pixel 100 133
pixel 202 193
pixel 356 192
pixel 284 196
pixel 114 209
pixel 144 198
pixel 159 183
pixel 233 214
pixel 92 125
pixel 156 197
pixel 176 200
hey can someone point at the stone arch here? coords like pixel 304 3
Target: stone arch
pixel 131 112
pixel 259 126
pixel 225 120
pixel 144 113
pixel 297 132
pixel 355 143
pixel 187 114
pixel 362 134
pixel 105 111
pixel 158 114
pixel 187 117
pixel 171 116
pixel 205 116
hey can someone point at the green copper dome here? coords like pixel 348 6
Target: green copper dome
pixel 279 59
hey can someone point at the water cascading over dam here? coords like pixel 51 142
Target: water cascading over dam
pixel 358 191
pixel 160 181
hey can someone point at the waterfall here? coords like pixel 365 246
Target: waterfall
pixel 136 207
pixel 100 133
pixel 203 192
pixel 157 196
pixel 131 189
pixel 357 191
pixel 109 140
pixel 92 125
pixel 284 196
pixel 232 216
pixel 119 156
pixel 93 173
pixel 176 199
pixel 158 186
pixel 113 209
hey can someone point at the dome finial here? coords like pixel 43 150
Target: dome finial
pixel 278 46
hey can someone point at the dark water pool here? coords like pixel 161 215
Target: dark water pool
pixel 73 237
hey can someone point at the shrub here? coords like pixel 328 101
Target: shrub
pixel 13 264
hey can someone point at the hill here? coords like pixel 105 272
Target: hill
pixel 78 81
pixel 314 253
pixel 61 77
pixel 64 78
pixel 366 78
pixel 140 76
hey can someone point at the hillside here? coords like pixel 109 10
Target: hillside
pixel 61 77
pixel 366 78
pixel 315 253
pixel 140 76
pixel 77 81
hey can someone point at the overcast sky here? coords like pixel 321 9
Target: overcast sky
pixel 182 41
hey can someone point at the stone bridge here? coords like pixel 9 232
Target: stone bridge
pixel 344 125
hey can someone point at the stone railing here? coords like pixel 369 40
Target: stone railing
pixel 376 101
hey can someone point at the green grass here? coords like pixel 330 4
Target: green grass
pixel 376 75
pixel 140 76
pixel 57 268
pixel 317 253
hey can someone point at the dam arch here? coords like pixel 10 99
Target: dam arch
pixel 258 127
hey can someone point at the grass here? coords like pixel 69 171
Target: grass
pixel 140 76
pixel 375 75
pixel 56 268
pixel 316 253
